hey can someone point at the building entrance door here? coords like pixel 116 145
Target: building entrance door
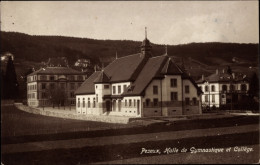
pixel 108 106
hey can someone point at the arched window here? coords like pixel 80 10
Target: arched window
pixel 243 87
pixel 206 88
pixel 125 103
pixel 88 102
pixel 224 88
pixel 83 103
pixel 130 103
pixel 94 102
pixel 78 102
pixel 213 88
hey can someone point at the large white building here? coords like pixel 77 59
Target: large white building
pixel 221 89
pixel 139 85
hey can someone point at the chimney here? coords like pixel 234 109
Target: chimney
pixel 217 72
pixel 202 77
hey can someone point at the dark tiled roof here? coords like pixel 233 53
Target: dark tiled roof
pixel 102 78
pixel 56 70
pixel 125 68
pixel 88 87
pixel 171 68
pixel 223 77
pixel 150 70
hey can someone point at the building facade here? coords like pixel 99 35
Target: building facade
pixel 53 85
pixel 139 85
pixel 222 89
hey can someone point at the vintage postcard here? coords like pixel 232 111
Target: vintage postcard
pixel 129 82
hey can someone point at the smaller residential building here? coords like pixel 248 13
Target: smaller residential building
pixel 53 84
pixel 221 89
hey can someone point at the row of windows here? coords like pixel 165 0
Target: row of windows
pixel 156 103
pixel 32 87
pixel 212 97
pixel 119 91
pixel 52 78
pixel 155 89
pixel 88 103
pixel 224 88
pixel 31 95
pixel 72 86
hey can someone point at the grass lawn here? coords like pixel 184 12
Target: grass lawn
pixel 15 122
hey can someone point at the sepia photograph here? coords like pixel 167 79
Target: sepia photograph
pixel 129 82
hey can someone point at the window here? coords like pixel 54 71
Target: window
pixel 130 103
pixel 224 88
pixel 43 86
pixel 243 87
pixel 80 78
pixel 119 105
pixel 43 95
pixel 206 98
pixel 155 102
pixel 106 86
pixel 83 103
pixel 62 85
pixel 78 102
pixel 124 87
pixel 147 102
pixel 114 89
pixel 119 89
pixel 72 86
pixel 72 94
pixel 194 100
pixel 187 89
pixel 43 77
pixel 213 88
pixel 206 88
pixel 173 82
pixel 52 85
pixel 88 102
pixel 72 78
pixel 187 101
pixel 213 98
pixel 94 102
pixel 155 89
pixel 125 103
pixel 97 97
pixel 174 96
pixel 134 102
pixel 51 78
pixel 232 87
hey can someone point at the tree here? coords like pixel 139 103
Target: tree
pixel 229 70
pixel 57 96
pixel 11 83
pixel 254 86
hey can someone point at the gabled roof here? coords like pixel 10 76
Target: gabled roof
pixel 56 70
pixel 171 68
pixel 125 68
pixel 88 86
pixel 102 78
pixel 150 70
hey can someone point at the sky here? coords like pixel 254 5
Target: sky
pixel 167 22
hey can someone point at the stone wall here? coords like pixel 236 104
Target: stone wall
pixel 107 119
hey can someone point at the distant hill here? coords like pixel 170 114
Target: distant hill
pixel 40 48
